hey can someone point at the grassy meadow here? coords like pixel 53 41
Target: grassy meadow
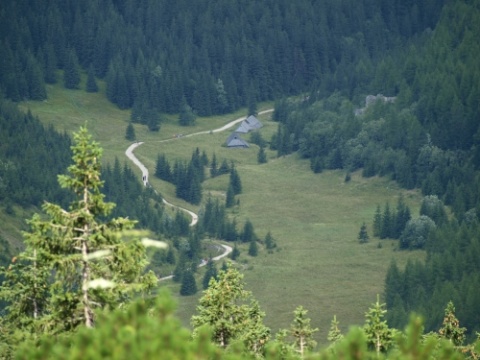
pixel 314 218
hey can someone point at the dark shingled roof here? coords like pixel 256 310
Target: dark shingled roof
pixel 249 124
pixel 234 140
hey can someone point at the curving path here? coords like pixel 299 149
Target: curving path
pixel 134 159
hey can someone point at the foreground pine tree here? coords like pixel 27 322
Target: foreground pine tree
pixel 231 313
pixel 379 335
pixel 302 332
pixel 74 261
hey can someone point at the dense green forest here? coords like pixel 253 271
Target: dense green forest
pixel 319 60
pixel 214 55
pixel 427 137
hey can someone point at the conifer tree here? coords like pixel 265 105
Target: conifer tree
pixel 363 234
pixel 253 248
pixel 379 335
pixel 35 80
pixel 334 334
pixel 377 222
pixel 224 168
pixel 130 132
pixel 261 156
pixel 187 116
pixel 71 73
pixel 302 332
pixel 235 252
pixel 91 82
pixel 235 181
pixel 248 233
pixel 387 223
pixel 50 64
pixel 269 241
pixel 213 166
pixel 230 198
pixel 451 329
pixel 170 258
pixel 231 312
pixel 89 266
pixel 189 285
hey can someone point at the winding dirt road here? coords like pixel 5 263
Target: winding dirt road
pixel 145 173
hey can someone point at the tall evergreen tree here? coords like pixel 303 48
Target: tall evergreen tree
pixel 189 285
pixel 377 222
pixel 187 116
pixel 363 234
pixel 248 233
pixel 35 80
pixel 379 335
pixel 451 329
pixel 387 223
pixel 231 312
pixel 71 71
pixel 230 198
pixel 213 166
pixel 130 132
pixel 89 266
pixel 302 332
pixel 253 248
pixel 270 241
pixel 235 181
pixel 235 252
pixel 261 156
pixel 91 82
pixel 334 334
pixel 50 64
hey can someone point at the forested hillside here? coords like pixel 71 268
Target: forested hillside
pixel 426 137
pixel 216 55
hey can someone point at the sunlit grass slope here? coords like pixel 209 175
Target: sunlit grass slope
pixel 315 218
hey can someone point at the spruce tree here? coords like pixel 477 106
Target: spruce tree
pixel 224 168
pixel 89 265
pixel 235 252
pixel 71 72
pixel 230 198
pixel 130 132
pixel 377 222
pixel 231 312
pixel 261 156
pixel 248 233
pixel 302 332
pixel 253 248
pixel 213 166
pixel 379 335
pixel 270 241
pixel 91 82
pixel 235 181
pixel 363 234
pixel 387 223
pixel 50 64
pixel 451 329
pixel 187 116
pixel 334 334
pixel 189 285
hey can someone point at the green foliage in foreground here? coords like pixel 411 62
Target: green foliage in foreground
pixel 74 263
pixel 149 330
